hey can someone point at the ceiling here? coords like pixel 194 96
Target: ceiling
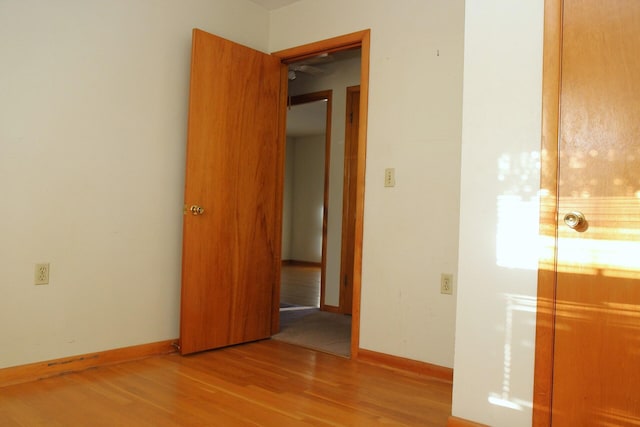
pixel 274 4
pixel 310 118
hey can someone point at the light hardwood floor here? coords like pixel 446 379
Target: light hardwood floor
pixel 300 285
pixel 267 383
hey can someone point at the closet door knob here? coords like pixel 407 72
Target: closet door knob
pixel 575 220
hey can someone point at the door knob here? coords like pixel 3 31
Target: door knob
pixel 575 220
pixel 196 210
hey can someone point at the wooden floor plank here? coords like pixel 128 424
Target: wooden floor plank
pixel 268 383
pixel 300 285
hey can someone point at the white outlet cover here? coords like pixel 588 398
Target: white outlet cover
pixel 41 274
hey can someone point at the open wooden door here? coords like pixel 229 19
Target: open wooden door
pixel 231 240
pixel 588 344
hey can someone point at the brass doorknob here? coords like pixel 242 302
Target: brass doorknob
pixel 575 220
pixel 196 210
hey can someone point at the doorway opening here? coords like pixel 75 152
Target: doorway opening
pixel 313 68
pixel 312 214
pixel 305 197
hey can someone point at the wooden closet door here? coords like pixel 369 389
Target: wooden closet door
pixel 596 363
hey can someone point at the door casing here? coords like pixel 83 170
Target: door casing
pixel 543 370
pixel 348 195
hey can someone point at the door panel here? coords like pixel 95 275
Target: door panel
pixel 231 251
pixel 597 314
pixel 349 194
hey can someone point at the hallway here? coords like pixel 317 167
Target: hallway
pixel 301 321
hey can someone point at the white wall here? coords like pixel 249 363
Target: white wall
pixel 494 352
pixel 308 198
pixel 93 110
pixel 287 201
pixel 415 105
pixel 342 74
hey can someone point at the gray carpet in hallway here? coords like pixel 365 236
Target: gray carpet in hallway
pixel 319 330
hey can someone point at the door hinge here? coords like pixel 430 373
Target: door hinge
pixel 351 117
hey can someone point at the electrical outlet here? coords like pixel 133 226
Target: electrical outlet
pixel 41 274
pixel 446 283
pixel 390 177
